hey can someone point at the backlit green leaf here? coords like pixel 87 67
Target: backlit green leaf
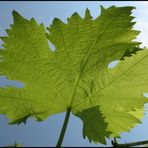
pixel 76 74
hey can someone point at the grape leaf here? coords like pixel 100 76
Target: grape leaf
pixel 75 75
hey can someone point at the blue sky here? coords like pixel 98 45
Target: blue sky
pixel 46 133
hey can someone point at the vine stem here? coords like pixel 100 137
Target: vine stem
pixel 65 123
pixel 115 144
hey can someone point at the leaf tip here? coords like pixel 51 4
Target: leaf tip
pixel 87 14
pixel 14 12
pixel 16 16
pixel 102 8
pixel 57 21
pixel 75 14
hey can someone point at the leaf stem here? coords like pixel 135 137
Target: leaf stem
pixel 115 144
pixel 61 137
